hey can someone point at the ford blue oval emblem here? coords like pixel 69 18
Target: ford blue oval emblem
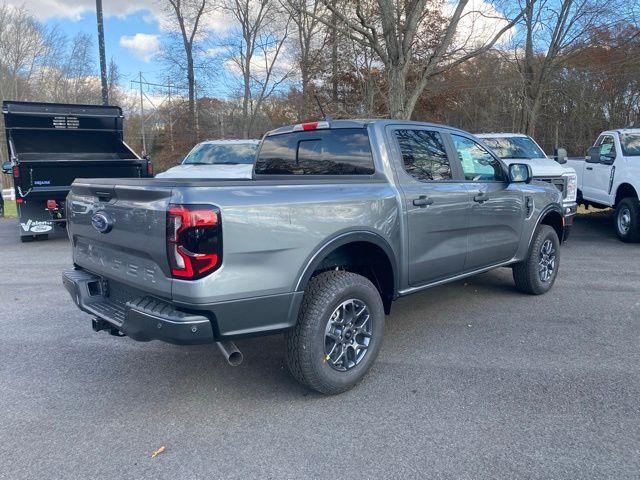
pixel 101 222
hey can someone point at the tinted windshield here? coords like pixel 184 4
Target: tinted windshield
pixel 213 154
pixel 514 147
pixel 630 143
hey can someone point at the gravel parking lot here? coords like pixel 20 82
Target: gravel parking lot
pixel 474 381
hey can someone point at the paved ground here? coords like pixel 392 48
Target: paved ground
pixel 474 381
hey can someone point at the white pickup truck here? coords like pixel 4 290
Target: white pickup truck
pixel 520 148
pixel 610 177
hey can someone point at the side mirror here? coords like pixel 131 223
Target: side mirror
pixel 6 167
pixel 560 155
pixel 593 155
pixel 520 173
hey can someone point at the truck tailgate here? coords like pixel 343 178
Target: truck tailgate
pixel 120 232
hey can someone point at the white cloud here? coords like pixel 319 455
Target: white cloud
pixel 74 9
pixel 479 23
pixel 143 45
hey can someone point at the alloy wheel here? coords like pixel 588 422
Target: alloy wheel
pixel 348 335
pixel 547 262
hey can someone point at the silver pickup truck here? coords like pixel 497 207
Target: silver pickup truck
pixel 339 219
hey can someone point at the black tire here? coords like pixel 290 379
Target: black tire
pixel 307 358
pixel 527 273
pixel 628 215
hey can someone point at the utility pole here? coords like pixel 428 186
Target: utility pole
pixel 103 57
pixel 144 142
pixel 168 92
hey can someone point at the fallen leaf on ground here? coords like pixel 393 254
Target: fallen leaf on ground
pixel 158 451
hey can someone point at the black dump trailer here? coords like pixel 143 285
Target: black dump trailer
pixel 50 145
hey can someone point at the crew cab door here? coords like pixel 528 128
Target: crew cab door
pixel 436 203
pixel 497 209
pixel 597 177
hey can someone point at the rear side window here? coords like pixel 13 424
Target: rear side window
pixel 424 155
pixel 344 151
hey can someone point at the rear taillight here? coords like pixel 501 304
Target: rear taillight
pixel 150 169
pixel 16 172
pixel 194 240
pixel 52 205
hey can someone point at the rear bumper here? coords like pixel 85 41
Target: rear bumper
pixel 142 318
pixel 145 317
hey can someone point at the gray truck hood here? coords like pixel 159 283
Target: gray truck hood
pixel 542 167
pixel 208 171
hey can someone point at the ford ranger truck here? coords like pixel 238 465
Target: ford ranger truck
pixel 610 177
pixel 520 148
pixel 340 219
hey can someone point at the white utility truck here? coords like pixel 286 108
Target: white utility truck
pixel 610 177
pixel 520 148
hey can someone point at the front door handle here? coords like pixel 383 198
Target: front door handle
pixel 422 201
pixel 481 197
pixel 589 168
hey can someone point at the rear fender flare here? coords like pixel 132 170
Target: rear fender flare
pixel 320 253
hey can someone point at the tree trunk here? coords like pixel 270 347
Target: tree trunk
pixel 334 54
pixel 531 115
pixel 304 107
pixel 191 80
pixel 245 102
pixel 396 92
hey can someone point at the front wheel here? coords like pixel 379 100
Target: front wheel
pixel 627 220
pixel 339 332
pixel 537 273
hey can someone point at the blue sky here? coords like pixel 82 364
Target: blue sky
pixel 133 31
pixel 116 27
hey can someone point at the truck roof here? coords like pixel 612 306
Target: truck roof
pixel 236 141
pixel 621 130
pixel 499 135
pixel 362 123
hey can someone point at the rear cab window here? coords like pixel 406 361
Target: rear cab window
pixel 340 151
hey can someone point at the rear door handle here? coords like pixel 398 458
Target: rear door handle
pixel 480 197
pixel 422 201
pixel 589 168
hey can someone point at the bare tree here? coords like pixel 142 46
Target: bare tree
pixel 394 31
pixel 189 14
pixel 555 30
pixel 304 13
pixel 21 50
pixel 256 53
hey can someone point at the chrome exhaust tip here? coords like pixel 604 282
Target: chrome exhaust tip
pixel 231 353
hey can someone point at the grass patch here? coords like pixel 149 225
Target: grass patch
pixel 10 210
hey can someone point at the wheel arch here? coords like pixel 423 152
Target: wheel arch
pixel 550 215
pixel 363 252
pixel 625 190
pixel 553 217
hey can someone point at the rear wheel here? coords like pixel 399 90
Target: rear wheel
pixel 627 220
pixel 339 332
pixel 537 273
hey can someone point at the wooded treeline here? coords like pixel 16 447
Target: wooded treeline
pixel 560 70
